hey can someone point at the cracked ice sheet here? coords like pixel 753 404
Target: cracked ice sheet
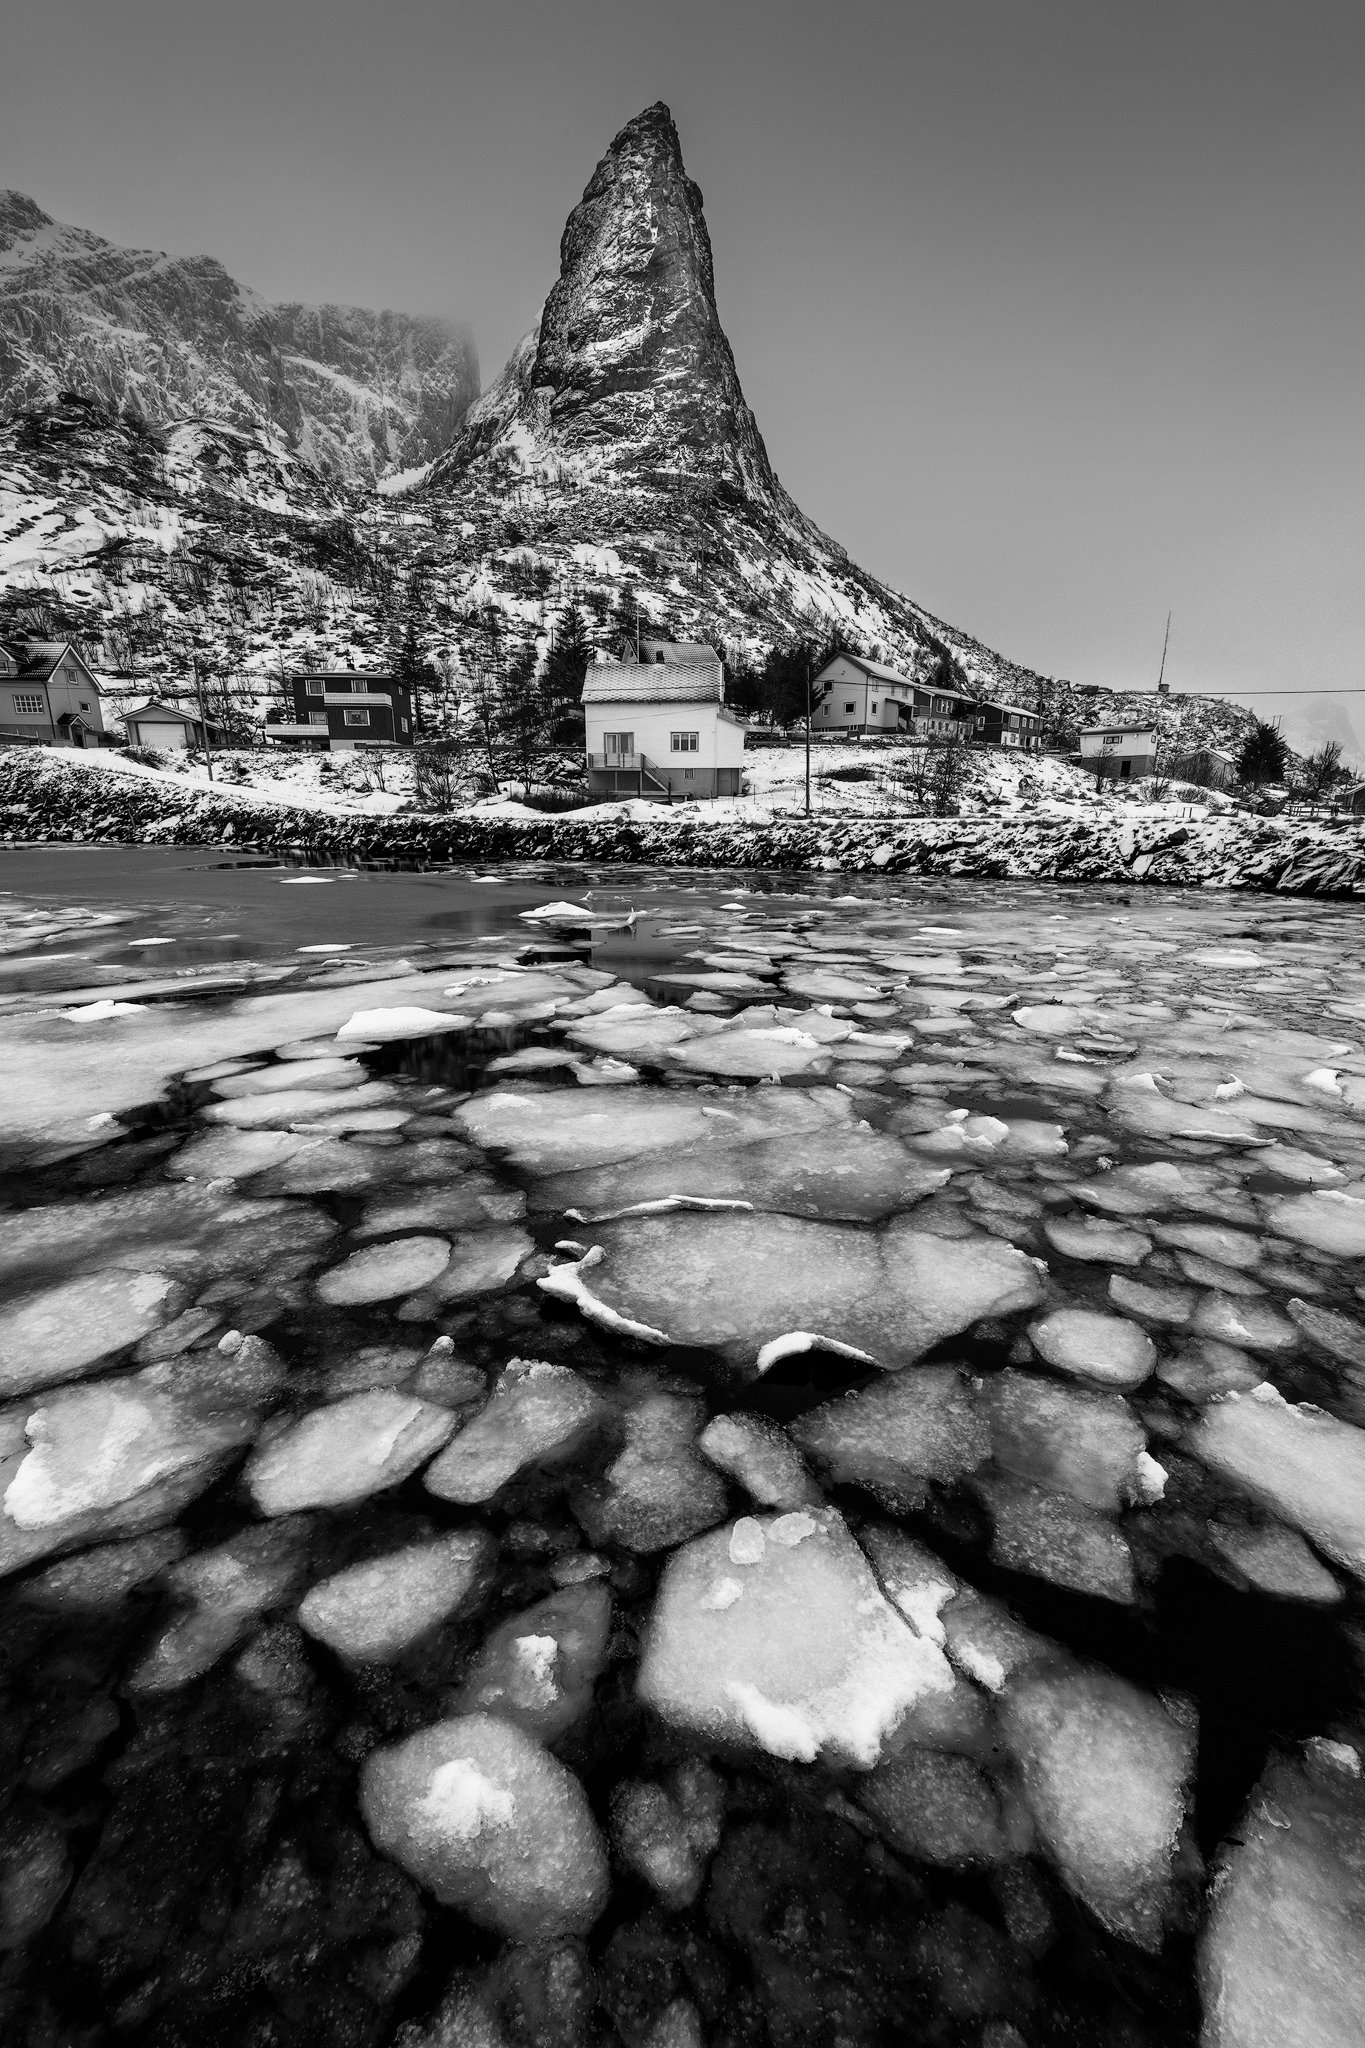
pixel 564 1130
pixel 773 1632
pixel 847 1172
pixel 736 1282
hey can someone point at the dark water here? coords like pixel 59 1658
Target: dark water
pixel 904 1704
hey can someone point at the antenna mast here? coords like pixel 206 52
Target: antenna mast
pixel 1161 678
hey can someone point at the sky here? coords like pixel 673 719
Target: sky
pixel 1051 311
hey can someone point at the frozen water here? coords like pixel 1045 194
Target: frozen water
pixel 101 1578
pixel 226 1589
pixel 806 1659
pixel 659 1491
pixel 487 1821
pixel 538 1414
pixel 381 1027
pixel 893 1438
pixel 346 1452
pixel 1340 1336
pixel 1276 1561
pixel 568 1131
pixel 538 1668
pixel 1306 1467
pixel 382 1271
pixel 1104 1769
pixel 1281 1959
pixel 1106 1351
pixel 736 1283
pixel 1067 1439
pixel 1252 1325
pixel 1165 1304
pixel 480 1261
pixel 1330 1219
pixel 763 1460
pixel 1052 1536
pixel 754 1055
pixel 937 1809
pixel 69 1329
pixel 474 1199
pixel 1204 1369
pixel 1107 1244
pixel 658 1839
pixel 371 1613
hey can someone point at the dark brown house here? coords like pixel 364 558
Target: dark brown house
pixel 337 710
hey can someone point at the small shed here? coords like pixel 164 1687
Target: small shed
pixel 1119 753
pixel 159 724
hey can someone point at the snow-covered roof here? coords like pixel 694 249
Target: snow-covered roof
pixel 160 704
pixel 1117 725
pixel 678 653
pixel 998 704
pixel 650 682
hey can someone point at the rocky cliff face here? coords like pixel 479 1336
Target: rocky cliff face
pixel 620 420
pixel 354 394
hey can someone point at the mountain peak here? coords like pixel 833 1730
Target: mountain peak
pixel 19 215
pixel 630 365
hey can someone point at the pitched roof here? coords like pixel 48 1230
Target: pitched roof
pixel 654 682
pixel 37 659
pixel 678 653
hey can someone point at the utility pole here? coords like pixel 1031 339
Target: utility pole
pixel 809 666
pixel 203 715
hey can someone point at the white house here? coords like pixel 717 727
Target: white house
pixel 660 727
pixel 851 694
pixel 1119 752
pixel 48 695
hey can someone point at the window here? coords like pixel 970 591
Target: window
pixel 404 723
pixel 684 742
pixel 84 705
pixel 689 774
pixel 315 686
pixel 873 707
pixel 850 707
pixel 618 742
pixel 317 718
pixel 29 706
pixel 356 717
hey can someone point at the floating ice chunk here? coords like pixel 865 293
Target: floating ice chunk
pixel 471 1200
pixel 634 1033
pixel 1152 1115
pixel 753 1055
pixel 1252 1325
pixel 227 1588
pixel 234 1155
pixel 1051 1536
pixel 919 1583
pixel 1203 1370
pixel 559 913
pixel 127 1454
pixel 1106 1244
pixel 812 1660
pixel 1281 1959
pixel 480 1262
pixel 1064 1438
pixel 844 1171
pixel 1292 1164
pixel 99 1012
pixel 35 1871
pixel 101 1578
pixel 1053 1020
pixel 314 1106
pixel 383 1026
pixel 1237 1248
pixel 489 1822
pixel 1335 1334
pixel 937 1809
pixel 659 1491
pixel 666 1835
pixel 1108 1351
pixel 538 1415
pixel 1306 1467
pixel 382 1271
pixel 1104 1769
pixel 734 1282
pixel 327 1075
pixel 372 1612
pixel 1276 1561
pixel 762 1458
pixel 69 1329
pixel 1149 1188
pixel 567 1131
pixel 538 1668
pixel 1162 1303
pixel 1329 1219
pixel 346 1452
pixel 824 985
pixel 895 1437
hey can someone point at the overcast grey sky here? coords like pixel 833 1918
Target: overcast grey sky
pixel 1051 313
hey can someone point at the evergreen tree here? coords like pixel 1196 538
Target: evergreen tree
pixel 524 717
pixel 569 656
pixel 1263 756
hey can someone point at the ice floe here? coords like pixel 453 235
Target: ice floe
pixel 372 1613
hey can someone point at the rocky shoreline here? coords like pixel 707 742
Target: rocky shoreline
pixel 46 799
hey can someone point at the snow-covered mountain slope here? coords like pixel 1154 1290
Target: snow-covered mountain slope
pixel 354 393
